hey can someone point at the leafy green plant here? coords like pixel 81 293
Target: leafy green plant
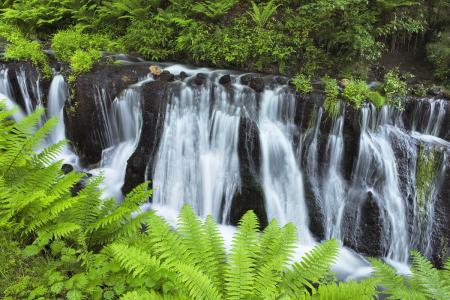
pixel 214 9
pixel 395 89
pixel 81 50
pixel 261 15
pixel 376 99
pixel 302 84
pixel 438 52
pixel 332 103
pixel 21 49
pixel 426 282
pixel 355 92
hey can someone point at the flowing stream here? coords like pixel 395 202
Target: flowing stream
pixel 199 160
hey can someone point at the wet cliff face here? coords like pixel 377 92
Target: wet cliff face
pixel 311 132
pixel 84 124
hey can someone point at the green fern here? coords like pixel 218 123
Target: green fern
pixel 314 266
pixel 261 15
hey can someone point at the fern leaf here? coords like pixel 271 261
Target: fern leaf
pixel 198 284
pixel 313 267
pixel 428 278
pixel 240 272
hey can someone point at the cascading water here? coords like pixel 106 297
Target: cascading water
pixel 23 78
pixel 6 94
pixel 57 97
pixel 334 190
pixel 375 174
pixel 123 123
pixel 197 161
pixel 282 178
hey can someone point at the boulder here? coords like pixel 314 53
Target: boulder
pixel 154 95
pixel 200 78
pixel 225 79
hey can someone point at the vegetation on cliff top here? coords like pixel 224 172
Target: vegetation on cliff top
pixel 345 38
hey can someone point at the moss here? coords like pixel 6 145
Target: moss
pixel 426 167
pixel 302 84
pixel 332 103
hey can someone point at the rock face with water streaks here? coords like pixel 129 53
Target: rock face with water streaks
pixel 83 115
pixel 190 146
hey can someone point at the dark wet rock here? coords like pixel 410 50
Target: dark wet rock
pixel 245 79
pixel 166 76
pixel 225 79
pixel 441 233
pixel 66 168
pixel 84 124
pixel 154 95
pixel 250 196
pixel 257 84
pixel 281 80
pixel 200 78
pixel 183 75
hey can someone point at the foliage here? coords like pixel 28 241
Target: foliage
pixel 332 103
pixel 376 99
pixel 214 9
pixel 81 50
pixel 395 89
pixel 425 175
pixel 346 37
pixel 20 48
pixel 261 14
pixel 426 282
pixel 355 92
pixel 302 84
pixel 438 53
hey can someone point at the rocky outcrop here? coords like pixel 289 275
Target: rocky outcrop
pixel 84 123
pixel 155 95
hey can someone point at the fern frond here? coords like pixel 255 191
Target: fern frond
pixel 394 284
pixel 352 290
pixel 428 278
pixel 240 272
pixel 215 261
pixel 197 284
pixel 135 261
pixel 190 229
pixel 311 269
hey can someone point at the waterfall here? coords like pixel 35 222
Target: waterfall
pixel 23 78
pixel 334 190
pixel 57 97
pixel 197 161
pixel 433 151
pixel 6 94
pixel 375 174
pixel 282 177
pixel 123 123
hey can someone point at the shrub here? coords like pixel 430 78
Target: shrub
pixel 152 38
pixel 395 89
pixel 376 99
pixel 438 53
pixel 302 84
pixel 356 92
pixel 81 50
pixel 20 48
pixel 332 103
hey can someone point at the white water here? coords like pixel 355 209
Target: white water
pixel 197 161
pixel 58 95
pixel 282 177
pixel 376 172
pixel 334 190
pixel 123 122
pixel 6 95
